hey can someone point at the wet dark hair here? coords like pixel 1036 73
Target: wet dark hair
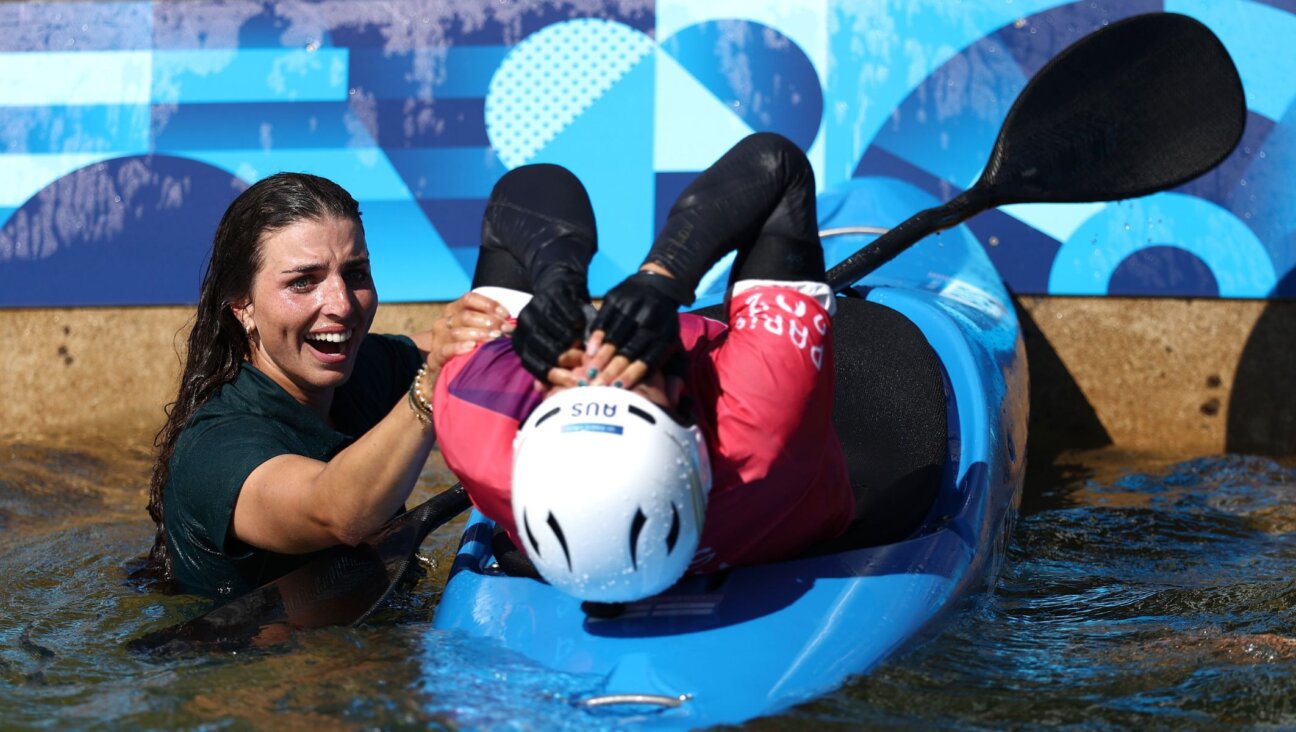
pixel 218 343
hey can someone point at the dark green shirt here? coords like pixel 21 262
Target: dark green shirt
pixel 249 421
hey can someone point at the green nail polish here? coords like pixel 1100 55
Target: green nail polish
pixel 618 383
pixel 592 372
pixel 582 382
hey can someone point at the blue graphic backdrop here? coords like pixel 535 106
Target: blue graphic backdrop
pixel 126 128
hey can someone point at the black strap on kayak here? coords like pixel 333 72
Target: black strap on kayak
pixel 341 586
pixel 1136 107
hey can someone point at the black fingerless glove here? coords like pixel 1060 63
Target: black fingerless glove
pixel 640 316
pixel 552 322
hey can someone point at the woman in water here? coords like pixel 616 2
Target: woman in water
pixel 294 428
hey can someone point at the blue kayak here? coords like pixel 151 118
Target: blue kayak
pixel 757 640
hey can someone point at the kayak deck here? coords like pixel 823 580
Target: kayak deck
pixel 731 646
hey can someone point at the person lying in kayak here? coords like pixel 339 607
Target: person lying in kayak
pixel 294 428
pixel 663 442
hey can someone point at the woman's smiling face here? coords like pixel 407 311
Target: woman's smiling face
pixel 312 302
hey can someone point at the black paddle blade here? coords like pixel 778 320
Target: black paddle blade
pixel 333 589
pixel 1139 106
pixel 397 543
pixel 1135 107
pixel 343 585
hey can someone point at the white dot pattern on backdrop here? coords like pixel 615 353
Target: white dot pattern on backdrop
pixel 551 77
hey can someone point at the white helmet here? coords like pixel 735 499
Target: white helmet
pixel 609 493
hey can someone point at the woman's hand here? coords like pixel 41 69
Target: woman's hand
pixel 637 328
pixel 464 323
pixel 551 326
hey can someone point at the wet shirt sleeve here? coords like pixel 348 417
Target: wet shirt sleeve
pixel 212 462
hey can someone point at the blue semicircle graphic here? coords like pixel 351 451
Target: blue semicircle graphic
pixel 1163 269
pixel 134 230
pixel 759 73
pixel 1235 256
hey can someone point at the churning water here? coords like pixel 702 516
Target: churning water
pixel 1136 592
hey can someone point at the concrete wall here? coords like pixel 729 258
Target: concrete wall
pixel 1162 376
pixel 75 372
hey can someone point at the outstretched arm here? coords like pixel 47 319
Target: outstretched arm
pixel 757 199
pixel 294 504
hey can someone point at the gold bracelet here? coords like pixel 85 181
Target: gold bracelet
pixel 422 409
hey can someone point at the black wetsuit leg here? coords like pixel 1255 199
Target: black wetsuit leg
pixel 759 199
pixel 889 412
pixel 535 212
pixel 498 268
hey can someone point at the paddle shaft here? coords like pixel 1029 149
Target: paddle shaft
pixel 341 586
pixel 896 240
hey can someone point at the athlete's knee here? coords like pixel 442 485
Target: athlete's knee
pixel 776 154
pixel 540 200
pixel 538 182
